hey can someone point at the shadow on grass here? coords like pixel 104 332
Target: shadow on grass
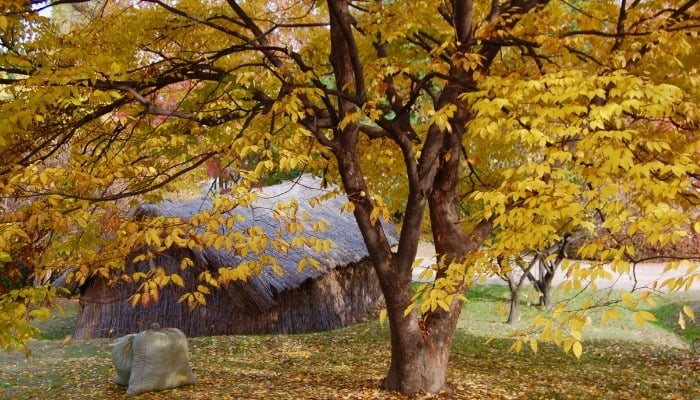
pixel 489 293
pixel 668 316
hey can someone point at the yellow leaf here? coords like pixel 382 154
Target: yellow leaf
pixel 374 215
pixel 627 299
pixel 640 317
pixel 382 317
pixel 577 349
pixel 533 345
pixel 517 346
pixel 568 343
pixel 547 333
pixel 5 257
pixel 689 312
pixel 154 294
pixel 647 316
pixel 610 314
pixel 199 297
pixel 135 299
pixel 203 289
pixel 177 279
pixel 302 264
pixel 681 320
pixel 576 326
pixel 41 313
pixel 426 274
pixel 558 337
pixel 186 262
pixel 409 309
pixel 348 207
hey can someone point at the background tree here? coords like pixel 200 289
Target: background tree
pixel 537 267
pixel 591 104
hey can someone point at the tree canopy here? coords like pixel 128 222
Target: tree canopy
pixel 512 123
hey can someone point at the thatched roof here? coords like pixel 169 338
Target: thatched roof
pixel 259 290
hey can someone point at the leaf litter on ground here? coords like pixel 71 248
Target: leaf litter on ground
pixel 349 363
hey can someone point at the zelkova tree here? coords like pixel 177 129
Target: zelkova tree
pixel 504 126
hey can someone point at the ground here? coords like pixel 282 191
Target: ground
pixel 620 361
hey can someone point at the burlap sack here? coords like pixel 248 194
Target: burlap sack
pixel 159 360
pixel 122 358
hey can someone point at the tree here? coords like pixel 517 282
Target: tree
pixel 540 116
pixel 516 272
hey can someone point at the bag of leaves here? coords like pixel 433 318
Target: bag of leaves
pixel 160 360
pixel 122 358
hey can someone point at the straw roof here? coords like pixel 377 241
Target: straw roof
pixel 259 291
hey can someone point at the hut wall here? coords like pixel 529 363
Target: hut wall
pixel 339 298
pixel 334 300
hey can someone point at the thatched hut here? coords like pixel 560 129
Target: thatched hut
pixel 340 292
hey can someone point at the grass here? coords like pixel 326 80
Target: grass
pixel 487 309
pixel 349 363
pixel 61 323
pixel 668 316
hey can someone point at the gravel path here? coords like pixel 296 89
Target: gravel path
pixel 645 274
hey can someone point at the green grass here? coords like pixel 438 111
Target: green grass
pixel 668 316
pixel 487 308
pixel 350 363
pixel 61 323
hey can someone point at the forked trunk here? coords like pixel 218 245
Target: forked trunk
pixel 420 350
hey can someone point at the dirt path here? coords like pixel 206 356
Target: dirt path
pixel 644 274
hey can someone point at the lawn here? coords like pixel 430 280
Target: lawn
pixel 620 361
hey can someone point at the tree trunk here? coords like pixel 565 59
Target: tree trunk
pixel 546 298
pixel 420 346
pixel 514 312
pixel 515 284
pixel 419 356
pixel 417 365
pixel 547 271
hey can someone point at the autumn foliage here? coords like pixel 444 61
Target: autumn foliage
pixel 498 127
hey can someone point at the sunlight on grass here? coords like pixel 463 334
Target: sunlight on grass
pixel 486 312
